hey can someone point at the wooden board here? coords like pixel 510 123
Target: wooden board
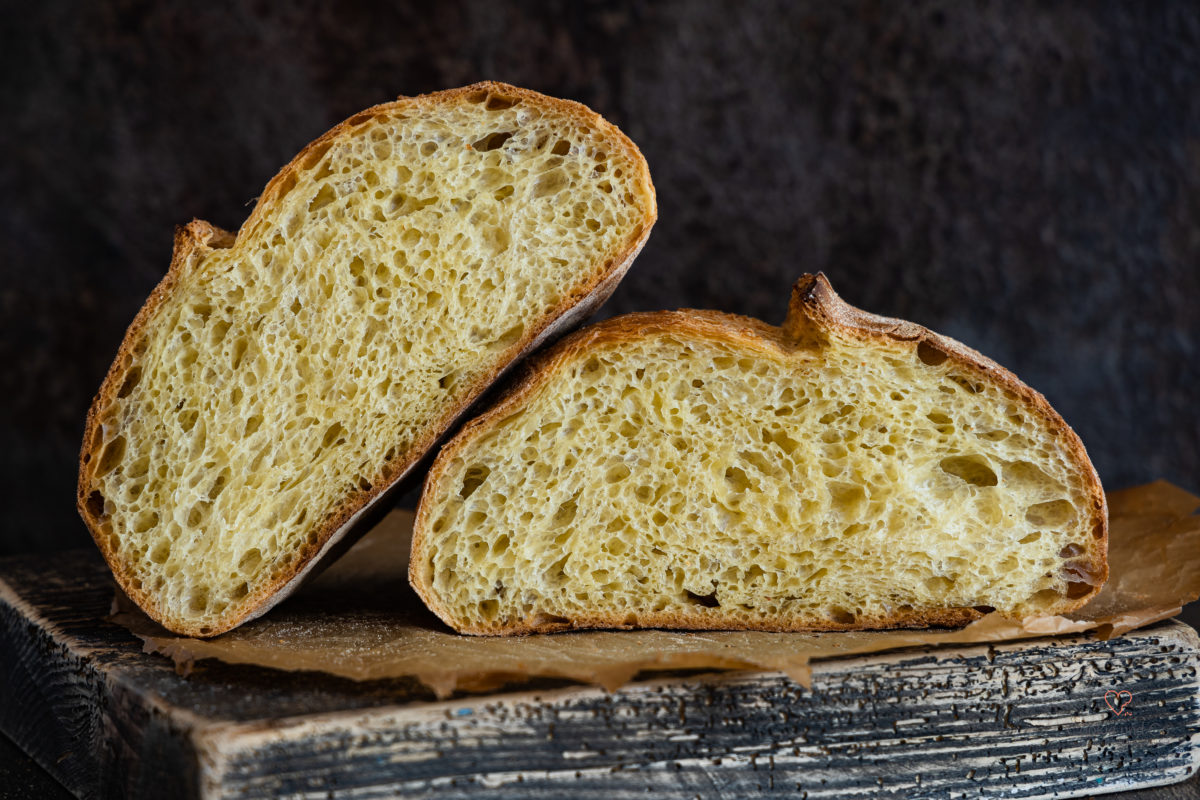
pixel 1022 719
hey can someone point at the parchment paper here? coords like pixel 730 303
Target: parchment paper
pixel 360 619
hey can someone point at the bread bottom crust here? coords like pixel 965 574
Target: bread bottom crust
pixel 926 618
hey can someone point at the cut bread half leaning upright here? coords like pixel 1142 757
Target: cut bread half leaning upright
pixel 695 469
pixel 278 382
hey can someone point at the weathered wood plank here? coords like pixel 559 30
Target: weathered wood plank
pixel 1022 720
pixel 1015 717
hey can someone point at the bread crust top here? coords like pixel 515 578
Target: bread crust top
pixel 195 240
pixel 815 312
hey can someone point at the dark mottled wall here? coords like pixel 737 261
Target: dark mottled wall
pixel 1024 177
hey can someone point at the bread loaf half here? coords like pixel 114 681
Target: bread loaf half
pixel 277 382
pixel 700 470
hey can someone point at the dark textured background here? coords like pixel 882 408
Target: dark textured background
pixel 1024 177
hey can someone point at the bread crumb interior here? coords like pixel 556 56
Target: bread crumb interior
pixel 398 266
pixel 726 485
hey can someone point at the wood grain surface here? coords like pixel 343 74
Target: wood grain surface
pixel 1020 720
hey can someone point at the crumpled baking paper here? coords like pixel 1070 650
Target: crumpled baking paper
pixel 360 620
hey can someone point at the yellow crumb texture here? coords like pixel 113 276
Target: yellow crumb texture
pixel 398 263
pixel 672 478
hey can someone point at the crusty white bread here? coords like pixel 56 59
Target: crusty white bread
pixel 277 383
pixel 700 470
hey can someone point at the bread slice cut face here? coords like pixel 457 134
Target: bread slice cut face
pixel 276 383
pixel 699 470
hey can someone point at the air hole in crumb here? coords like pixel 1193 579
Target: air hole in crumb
pixel 161 551
pixel 315 154
pixel 617 474
pixel 322 198
pixel 985 609
pixel 841 615
pixel 493 141
pixel 1070 551
pixel 112 454
pixel 1044 598
pixel 561 148
pixel 333 435
pixel 1080 572
pixel 198 601
pixel 706 600
pixel 1078 589
pixel 929 354
pixel 556 573
pixel 219 484
pixel 95 504
pixel 477 96
pixel 737 479
pixel 250 560
pixel 1027 474
pixel 550 183
pixel 970 386
pixel 131 380
pixel 145 521
pixel 938 585
pixel 1051 514
pixel 499 103
pixel 847 499
pixel 975 470
pixel 565 514
pixel 475 476
pixel 286 185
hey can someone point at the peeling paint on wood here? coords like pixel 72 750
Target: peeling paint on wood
pixel 1025 719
